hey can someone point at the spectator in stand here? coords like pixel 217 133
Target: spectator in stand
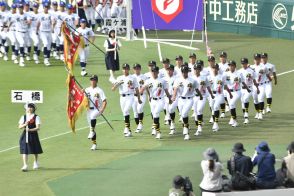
pixel 285 175
pixel 265 161
pixel 212 172
pixel 240 167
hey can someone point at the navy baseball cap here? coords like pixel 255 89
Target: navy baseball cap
pixel 27 2
pixel 165 61
pixel 257 56
pixel 62 4
pixel 83 20
pixel 46 4
pixel 244 61
pixel 170 66
pixel 1 3
pixel 94 77
pixel 199 62
pixel 185 68
pixel 264 55
pixel 179 58
pixel 126 66
pixel 69 6
pixel 232 63
pixel 20 5
pixel 211 58
pixel 35 5
pixel 137 65
pixel 14 6
pixel 54 3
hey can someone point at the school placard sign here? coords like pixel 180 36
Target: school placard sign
pixel 168 14
pixel 271 18
pixel 26 96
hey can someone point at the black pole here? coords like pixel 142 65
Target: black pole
pixel 95 9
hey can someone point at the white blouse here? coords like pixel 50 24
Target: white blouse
pixel 212 180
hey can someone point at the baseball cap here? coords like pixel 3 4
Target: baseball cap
pixel 94 77
pixel 199 62
pixel 83 20
pixel 211 58
pixel 170 66
pixel 244 61
pixel 14 6
pixel 264 55
pixel 215 66
pixel 223 54
pixel 198 66
pixel 1 3
pixel 69 6
pixel 20 5
pixel 192 55
pixel 27 2
pixel 126 66
pixel 179 57
pixel 62 4
pixel 54 3
pixel 165 61
pixel 46 4
pixel 136 65
pixel 151 63
pixel 35 5
pixel 232 63
pixel 257 56
pixel 185 68
pixel 155 69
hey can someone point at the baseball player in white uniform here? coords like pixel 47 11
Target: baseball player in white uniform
pixel 224 67
pixel 89 7
pixel 234 81
pixel 262 75
pixel 138 108
pixel 4 19
pixel 192 61
pixel 249 76
pixel 128 87
pixel 170 79
pixel 44 27
pixel 157 88
pixel 11 33
pixel 34 35
pixel 205 91
pixel 71 18
pixel 97 105
pixel 55 14
pixel 87 34
pixel 218 84
pixel 22 22
pixel 178 64
pixel 185 88
pixel 268 84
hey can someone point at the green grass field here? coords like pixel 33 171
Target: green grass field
pixel 130 166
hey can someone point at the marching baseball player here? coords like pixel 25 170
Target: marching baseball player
pixel 89 8
pixel 178 63
pixel 218 84
pixel 34 35
pixel 262 75
pixel 170 79
pixel 97 106
pixel 205 91
pixel 157 89
pixel 223 66
pixel 22 22
pixel 28 47
pixel 268 84
pixel 185 88
pixel 55 14
pixel 192 61
pixel 128 87
pixel 11 33
pixel 71 18
pixel 234 81
pixel 138 108
pixel 87 34
pixel 151 64
pixel 44 27
pixel 249 76
pixel 4 17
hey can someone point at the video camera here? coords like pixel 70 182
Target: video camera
pixel 188 187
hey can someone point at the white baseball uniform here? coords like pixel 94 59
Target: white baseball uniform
pixel 268 84
pixel 217 83
pixel 137 107
pixel 198 105
pixel 86 34
pixel 261 78
pixel 45 29
pixel 249 75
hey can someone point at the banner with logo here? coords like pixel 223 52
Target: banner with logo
pixel 272 18
pixel 168 14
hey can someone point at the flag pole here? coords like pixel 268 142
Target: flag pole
pixel 84 37
pixel 93 103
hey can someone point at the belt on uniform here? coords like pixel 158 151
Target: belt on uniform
pixel 264 82
pixel 186 97
pixel 89 6
pixel 232 90
pixel 86 45
pixel 124 95
pixel 214 92
pixel 137 95
pixel 91 108
pixel 21 31
pixel 156 98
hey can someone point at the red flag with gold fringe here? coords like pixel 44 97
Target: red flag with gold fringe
pixel 72 44
pixel 77 101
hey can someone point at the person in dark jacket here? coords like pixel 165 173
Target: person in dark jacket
pixel 265 161
pixel 240 167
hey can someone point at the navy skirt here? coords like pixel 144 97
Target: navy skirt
pixel 111 63
pixel 33 146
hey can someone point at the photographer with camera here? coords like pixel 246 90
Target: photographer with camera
pixel 181 187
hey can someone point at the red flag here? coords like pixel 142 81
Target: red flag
pixel 72 45
pixel 77 102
